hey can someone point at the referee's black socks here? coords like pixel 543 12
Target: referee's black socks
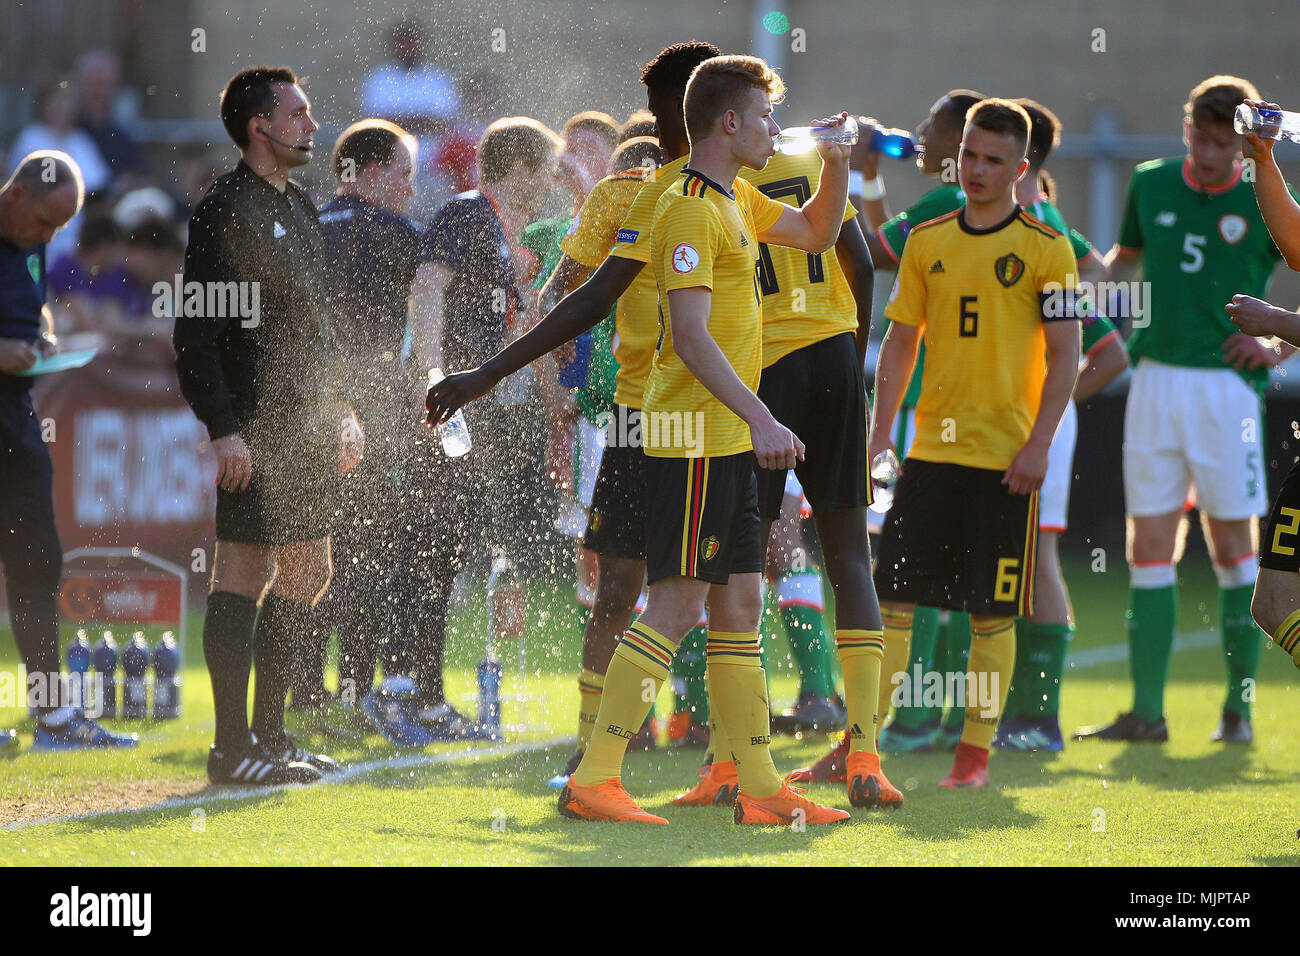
pixel 228 650
pixel 280 630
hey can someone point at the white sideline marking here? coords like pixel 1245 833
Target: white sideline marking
pixel 348 772
pixel 1109 654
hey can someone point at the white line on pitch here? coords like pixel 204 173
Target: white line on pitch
pixel 349 772
pixel 1113 653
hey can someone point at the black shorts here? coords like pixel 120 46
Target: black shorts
pixel 702 518
pixel 955 538
pixel 616 526
pixel 293 494
pixel 1279 541
pixel 820 394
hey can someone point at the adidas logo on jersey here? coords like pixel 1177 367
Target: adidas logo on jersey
pixel 937 267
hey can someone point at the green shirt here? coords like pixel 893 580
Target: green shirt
pixel 1199 248
pixel 597 395
pixel 1046 212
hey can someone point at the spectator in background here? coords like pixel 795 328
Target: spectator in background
pixel 98 86
pixel 154 254
pixel 55 127
pixel 417 95
pixel 87 285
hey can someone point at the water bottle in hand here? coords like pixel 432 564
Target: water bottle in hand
pixel 453 432
pixel 884 475
pixel 800 139
pixel 1270 124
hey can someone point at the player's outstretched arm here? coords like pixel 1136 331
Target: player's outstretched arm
pixel 1029 467
pixel 1257 317
pixel 1280 210
pixel 1101 367
pixel 894 367
pixel 574 315
pixel 855 259
pixel 775 446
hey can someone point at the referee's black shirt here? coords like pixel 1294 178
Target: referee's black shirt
pixel 282 373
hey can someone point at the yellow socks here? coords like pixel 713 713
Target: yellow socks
pixel 861 656
pixel 1288 636
pixel 590 685
pixel 992 658
pixel 897 637
pixel 738 695
pixel 638 669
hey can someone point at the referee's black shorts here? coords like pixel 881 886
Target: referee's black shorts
pixel 705 521
pixel 956 538
pixel 616 526
pixel 820 394
pixel 294 491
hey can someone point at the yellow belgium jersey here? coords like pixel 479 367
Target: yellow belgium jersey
pixel 703 236
pixel 636 317
pixel 979 297
pixel 806 297
pixel 625 233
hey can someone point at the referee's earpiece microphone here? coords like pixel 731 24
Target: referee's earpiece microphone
pixel 280 142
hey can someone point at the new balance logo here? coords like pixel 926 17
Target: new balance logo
pixel 937 267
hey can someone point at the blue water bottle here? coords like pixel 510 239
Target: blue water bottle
pixel 489 693
pixel 135 689
pixel 897 143
pixel 78 667
pixel 166 679
pixel 104 657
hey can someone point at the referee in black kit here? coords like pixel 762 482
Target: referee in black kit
pixel 267 383
pixel 44 192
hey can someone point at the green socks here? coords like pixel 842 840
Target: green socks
pixel 1040 665
pixel 1151 619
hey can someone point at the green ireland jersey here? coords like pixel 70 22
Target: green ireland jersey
pixel 1200 246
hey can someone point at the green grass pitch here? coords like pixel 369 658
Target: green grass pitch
pixel 1189 802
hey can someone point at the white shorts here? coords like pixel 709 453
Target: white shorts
pixel 1054 498
pixel 1192 435
pixel 588 450
pixel 904 434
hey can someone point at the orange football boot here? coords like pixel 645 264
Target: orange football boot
pixel 783 808
pixel 830 769
pixel 718 787
pixel 603 801
pixel 868 785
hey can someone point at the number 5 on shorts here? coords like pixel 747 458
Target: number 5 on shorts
pixel 1294 515
pixel 1008 579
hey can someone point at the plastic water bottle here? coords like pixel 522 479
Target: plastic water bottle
pixel 104 656
pixel 135 689
pixel 800 139
pixel 897 143
pixel 166 678
pixel 1271 124
pixel 489 692
pixel 78 666
pixel 453 432
pixel 885 471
